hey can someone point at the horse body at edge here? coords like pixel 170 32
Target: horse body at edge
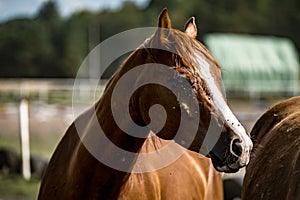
pixel 274 168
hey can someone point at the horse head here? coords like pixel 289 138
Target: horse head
pixel 198 76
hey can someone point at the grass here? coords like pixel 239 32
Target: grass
pixel 47 125
pixel 44 136
pixel 14 187
pixel 38 146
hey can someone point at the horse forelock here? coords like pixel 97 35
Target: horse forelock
pixel 181 44
pixel 191 59
pixel 199 67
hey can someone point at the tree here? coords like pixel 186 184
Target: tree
pixel 51 46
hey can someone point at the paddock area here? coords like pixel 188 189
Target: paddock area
pixel 50 113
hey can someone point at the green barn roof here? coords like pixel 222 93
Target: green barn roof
pixel 256 64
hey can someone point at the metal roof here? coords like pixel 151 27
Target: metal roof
pixel 256 64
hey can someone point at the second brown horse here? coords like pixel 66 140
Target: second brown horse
pixel 274 168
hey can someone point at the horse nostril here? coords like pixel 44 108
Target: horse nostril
pixel 236 147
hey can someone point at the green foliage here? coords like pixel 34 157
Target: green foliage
pixel 49 12
pixel 51 46
pixel 24 47
pixel 15 187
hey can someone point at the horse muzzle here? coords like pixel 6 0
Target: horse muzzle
pixel 231 154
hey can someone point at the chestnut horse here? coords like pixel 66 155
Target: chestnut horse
pixel 85 166
pixel 274 168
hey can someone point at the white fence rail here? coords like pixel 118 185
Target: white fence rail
pixel 42 89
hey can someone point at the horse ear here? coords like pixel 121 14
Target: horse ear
pixel 164 24
pixel 164 20
pixel 190 27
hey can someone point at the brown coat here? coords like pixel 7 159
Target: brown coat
pixel 190 177
pixel 274 168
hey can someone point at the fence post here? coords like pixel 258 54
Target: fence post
pixel 24 135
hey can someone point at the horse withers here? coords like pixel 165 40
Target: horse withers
pixel 76 170
pixel 274 168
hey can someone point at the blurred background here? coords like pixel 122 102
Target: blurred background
pixel 43 43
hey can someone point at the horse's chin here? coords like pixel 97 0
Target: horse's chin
pixel 226 169
pixel 220 166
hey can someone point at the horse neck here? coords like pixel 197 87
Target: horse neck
pixel 100 137
pixel 104 112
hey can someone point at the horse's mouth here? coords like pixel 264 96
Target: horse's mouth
pixel 222 166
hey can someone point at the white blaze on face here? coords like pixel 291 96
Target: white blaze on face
pixel 221 107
